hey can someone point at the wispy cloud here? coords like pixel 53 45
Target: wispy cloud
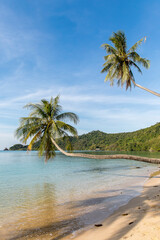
pixel 76 96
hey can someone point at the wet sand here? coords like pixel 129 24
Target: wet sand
pixel 139 219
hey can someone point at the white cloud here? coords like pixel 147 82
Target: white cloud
pixel 77 97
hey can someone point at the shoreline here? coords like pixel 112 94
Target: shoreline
pixel 138 219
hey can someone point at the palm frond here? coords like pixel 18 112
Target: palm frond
pixel 110 73
pixel 131 63
pixel 46 147
pixel 68 116
pixel 107 67
pixel 34 139
pixel 135 46
pixel 134 56
pixel 119 41
pixel 126 75
pixel 57 108
pixel 145 62
pixel 109 57
pixel 109 48
pixel 66 127
pixel 37 110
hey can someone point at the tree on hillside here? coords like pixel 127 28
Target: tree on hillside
pixel 120 61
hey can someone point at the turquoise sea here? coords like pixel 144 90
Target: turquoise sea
pixel 53 200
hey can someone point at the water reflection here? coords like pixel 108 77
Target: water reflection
pixel 42 216
pixel 38 207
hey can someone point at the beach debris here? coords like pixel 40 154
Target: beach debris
pixel 98 225
pixel 155 186
pixel 130 223
pixel 124 214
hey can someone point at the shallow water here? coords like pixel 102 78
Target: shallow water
pixel 49 201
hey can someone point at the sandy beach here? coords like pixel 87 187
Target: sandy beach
pixel 139 219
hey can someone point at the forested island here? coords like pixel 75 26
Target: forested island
pixel 147 139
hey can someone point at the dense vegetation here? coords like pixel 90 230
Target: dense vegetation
pixel 147 139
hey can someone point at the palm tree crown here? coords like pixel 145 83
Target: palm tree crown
pixel 45 123
pixel 119 61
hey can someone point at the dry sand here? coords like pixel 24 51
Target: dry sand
pixel 139 219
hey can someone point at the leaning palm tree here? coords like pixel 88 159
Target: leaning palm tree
pixel 46 124
pixel 120 61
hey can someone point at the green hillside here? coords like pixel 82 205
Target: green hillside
pixel 147 139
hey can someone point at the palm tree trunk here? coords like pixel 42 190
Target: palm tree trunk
pixel 114 156
pixel 60 149
pixel 146 89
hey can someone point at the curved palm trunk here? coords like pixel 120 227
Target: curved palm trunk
pixel 115 156
pixel 146 89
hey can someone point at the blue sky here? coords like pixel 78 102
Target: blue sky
pixel 51 47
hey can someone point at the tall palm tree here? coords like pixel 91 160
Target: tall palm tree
pixel 45 123
pixel 120 61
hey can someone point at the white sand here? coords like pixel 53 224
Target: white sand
pixel 139 219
